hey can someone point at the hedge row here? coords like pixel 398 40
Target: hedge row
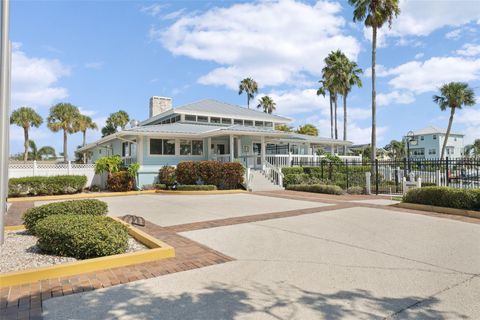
pixel 222 175
pixel 196 187
pixel 35 186
pixel 318 188
pixel 81 236
pixel 468 199
pixel 90 207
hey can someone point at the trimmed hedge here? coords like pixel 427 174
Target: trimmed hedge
pixel 81 236
pixel 355 190
pixel 160 186
pixel 167 175
pixel 468 199
pixel 222 175
pixel 120 181
pixel 36 186
pixel 90 207
pixel 196 187
pixel 292 170
pixel 317 188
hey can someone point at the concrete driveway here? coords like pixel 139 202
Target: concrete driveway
pixel 354 263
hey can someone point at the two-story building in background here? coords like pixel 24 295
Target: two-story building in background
pixel 427 144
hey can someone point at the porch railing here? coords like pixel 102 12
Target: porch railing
pixel 273 173
pixel 286 160
pixel 221 157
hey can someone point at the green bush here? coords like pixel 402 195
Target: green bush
pixel 317 188
pixel 36 186
pixel 81 236
pixel 429 184
pixel 160 186
pixel 232 175
pixel 292 170
pixel 196 187
pixel 167 176
pixel 300 178
pixel 313 170
pixel 223 175
pixel 355 190
pixel 90 207
pixel 120 181
pixel 445 197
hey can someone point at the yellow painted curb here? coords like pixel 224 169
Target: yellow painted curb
pixel 201 192
pixel 81 196
pixel 14 228
pixel 453 211
pixel 158 250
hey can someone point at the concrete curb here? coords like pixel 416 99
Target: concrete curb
pixel 81 196
pixel 453 211
pixel 201 192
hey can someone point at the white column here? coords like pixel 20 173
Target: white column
pixel 239 146
pixel 232 157
pixel 209 145
pixel 332 151
pixel 140 150
pixel 262 150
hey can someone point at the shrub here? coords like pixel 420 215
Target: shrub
pixel 33 186
pixel 312 170
pixel 167 175
pixel 429 184
pixel 160 186
pixel 292 170
pixel 355 190
pixel 445 197
pixel 232 175
pixel 109 164
pixel 81 237
pixel 317 188
pixel 223 175
pixel 301 178
pixel 209 172
pixel 90 207
pixel 120 181
pixel 196 187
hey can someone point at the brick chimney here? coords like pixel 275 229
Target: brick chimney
pixel 159 105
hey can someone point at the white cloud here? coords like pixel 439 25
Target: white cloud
pixel 275 42
pixel 87 112
pixel 298 101
pixel 469 50
pixel 454 34
pixel 395 97
pixel 34 80
pixel 419 55
pixel 94 65
pixel 153 10
pixel 420 77
pixel 35 134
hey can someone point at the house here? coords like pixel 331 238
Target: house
pixel 427 144
pixel 203 130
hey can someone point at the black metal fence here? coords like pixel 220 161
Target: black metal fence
pixel 386 176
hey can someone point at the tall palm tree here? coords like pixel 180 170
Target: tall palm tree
pixel 473 149
pixel 453 95
pixel 308 129
pixel 26 118
pixel 267 104
pixel 82 124
pixel 283 127
pixel 115 120
pixel 374 13
pixel 63 116
pixel 250 87
pixel 323 91
pixel 396 149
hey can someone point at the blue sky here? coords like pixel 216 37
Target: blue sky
pixel 108 55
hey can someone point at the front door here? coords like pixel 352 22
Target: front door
pixel 257 152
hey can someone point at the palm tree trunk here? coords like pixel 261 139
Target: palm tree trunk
pixel 345 122
pixel 65 151
pixel 248 101
pixel 25 144
pixel 374 103
pixel 450 121
pixel 84 142
pixel 331 116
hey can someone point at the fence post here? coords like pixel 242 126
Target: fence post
pixel 368 187
pixel 330 171
pixel 69 167
pixel 346 171
pixel 289 159
pixel 376 176
pixel 446 171
pixel 419 182
pixel 34 168
pixel 405 167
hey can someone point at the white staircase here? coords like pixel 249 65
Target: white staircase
pixel 258 181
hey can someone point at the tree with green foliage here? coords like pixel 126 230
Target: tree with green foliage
pixel 250 87
pixel 39 154
pixel 453 95
pixel 26 118
pixel 374 13
pixel 82 124
pixel 267 104
pixel 473 149
pixel 63 116
pixel 109 165
pixel 396 149
pixel 283 127
pixel 114 121
pixel 308 129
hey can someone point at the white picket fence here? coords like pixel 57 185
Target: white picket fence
pixel 34 169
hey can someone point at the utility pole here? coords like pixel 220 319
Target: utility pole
pixel 5 67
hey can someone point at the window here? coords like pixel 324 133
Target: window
pixel 191 147
pixel 258 123
pixel 248 123
pixel 454 139
pixel 214 120
pixel 269 124
pixel 189 117
pixel 162 147
pixel 434 137
pixel 432 151
pixel 124 149
pixel 226 120
pixel 202 119
pixel 238 122
pixel 197 147
pixel 421 138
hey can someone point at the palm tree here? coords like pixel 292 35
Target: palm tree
pixel 267 104
pixel 308 129
pixel 323 91
pixel 115 120
pixel 250 87
pixel 453 95
pixel 46 151
pixel 375 13
pixel 26 118
pixel 33 154
pixel 283 127
pixel 82 124
pixel 396 149
pixel 473 149
pixel 63 116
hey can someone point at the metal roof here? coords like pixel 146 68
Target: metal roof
pixel 177 127
pixel 434 130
